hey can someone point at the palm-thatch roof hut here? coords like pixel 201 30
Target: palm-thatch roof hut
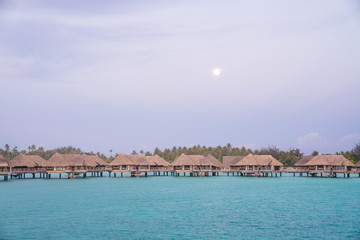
pixel 135 164
pixel 198 163
pixel 29 162
pixel 230 161
pixel 122 163
pixel 132 163
pixel 4 165
pixel 336 163
pixel 58 162
pixel 357 164
pixel 262 163
pixel 68 163
pixel 94 160
pixel 3 162
pixel 214 162
pixel 301 164
pixel 141 161
pixel 157 163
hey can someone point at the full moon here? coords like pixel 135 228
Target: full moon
pixel 216 72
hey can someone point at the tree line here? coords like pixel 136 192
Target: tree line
pixel 287 157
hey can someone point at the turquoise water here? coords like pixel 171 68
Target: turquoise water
pixel 181 208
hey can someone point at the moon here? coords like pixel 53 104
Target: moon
pixel 216 72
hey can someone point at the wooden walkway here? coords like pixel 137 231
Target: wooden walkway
pixel 43 173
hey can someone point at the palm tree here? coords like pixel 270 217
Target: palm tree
pixel 7 151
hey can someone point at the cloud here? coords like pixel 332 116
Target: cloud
pixel 311 142
pixel 314 141
pixel 347 142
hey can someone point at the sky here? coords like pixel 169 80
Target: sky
pixel 131 75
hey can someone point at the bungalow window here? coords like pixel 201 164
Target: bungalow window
pixel 186 167
pixel 320 167
pixel 250 167
pixel 123 167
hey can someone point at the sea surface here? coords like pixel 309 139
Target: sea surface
pixel 161 207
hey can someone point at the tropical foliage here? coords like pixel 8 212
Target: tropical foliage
pixel 287 157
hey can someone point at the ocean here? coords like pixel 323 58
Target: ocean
pixel 164 207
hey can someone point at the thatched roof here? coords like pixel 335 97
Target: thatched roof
pixel 94 160
pixel 182 160
pixel 3 161
pixel 303 161
pixel 29 161
pixel 76 160
pixel 70 160
pixel 140 160
pixel 58 160
pixel 329 160
pixel 121 159
pixel 258 160
pixel 214 161
pixel 159 161
pixel 357 164
pixel 196 160
pixel 231 160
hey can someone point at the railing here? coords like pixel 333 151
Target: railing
pixel 28 170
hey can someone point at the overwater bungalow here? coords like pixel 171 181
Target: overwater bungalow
pixel 159 164
pixel 196 165
pixel 65 163
pixel 257 164
pixel 23 164
pixel 75 164
pixel 95 164
pixel 301 164
pixel 357 165
pixel 330 164
pixel 230 161
pixel 5 169
pixel 121 164
pixel 137 164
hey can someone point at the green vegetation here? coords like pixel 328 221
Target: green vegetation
pixel 353 155
pixel 288 158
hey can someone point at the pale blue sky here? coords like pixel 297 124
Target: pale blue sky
pixel 116 75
